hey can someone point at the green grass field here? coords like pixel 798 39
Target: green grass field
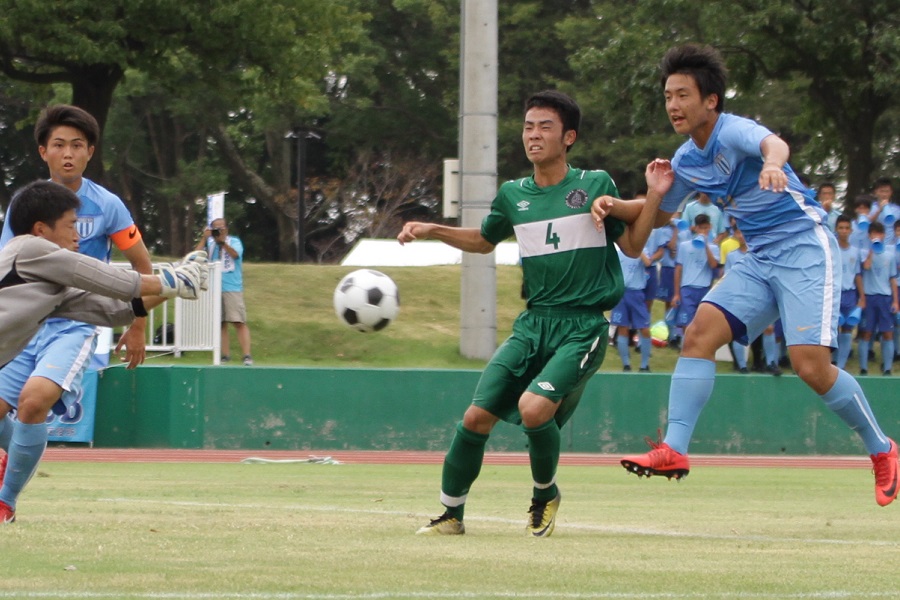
pixel 345 532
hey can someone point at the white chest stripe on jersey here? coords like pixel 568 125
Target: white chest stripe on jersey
pixel 564 234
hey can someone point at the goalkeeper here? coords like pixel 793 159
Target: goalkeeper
pixel 42 276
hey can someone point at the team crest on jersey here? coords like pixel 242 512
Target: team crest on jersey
pixel 576 199
pixel 85 227
pixel 722 164
pixel 523 205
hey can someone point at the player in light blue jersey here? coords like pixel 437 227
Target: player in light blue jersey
pixel 792 269
pixel 48 373
pixel 731 259
pixel 825 197
pixel 695 266
pixel 883 208
pixel 853 297
pixel 631 312
pixel 879 275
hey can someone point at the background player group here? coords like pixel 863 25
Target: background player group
pixel 566 244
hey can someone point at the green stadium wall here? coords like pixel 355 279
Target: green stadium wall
pixel 416 409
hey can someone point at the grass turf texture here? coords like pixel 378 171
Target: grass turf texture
pixel 329 532
pixel 292 322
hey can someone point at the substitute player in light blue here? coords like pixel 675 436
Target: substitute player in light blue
pixel 879 276
pixel 731 259
pixel 631 312
pixel 695 267
pixel 48 373
pixel 792 269
pixel 853 296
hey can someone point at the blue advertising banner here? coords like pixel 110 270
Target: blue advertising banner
pixel 77 424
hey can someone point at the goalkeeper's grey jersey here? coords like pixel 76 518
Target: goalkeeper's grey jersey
pixel 37 278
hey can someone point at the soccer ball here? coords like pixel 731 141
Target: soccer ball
pixel 366 300
pixel 659 334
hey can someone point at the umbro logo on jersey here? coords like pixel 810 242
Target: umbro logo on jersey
pixel 546 386
pixel 523 205
pixel 576 199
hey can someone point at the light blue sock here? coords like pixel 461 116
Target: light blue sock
pixel 25 450
pixel 847 400
pixel 6 429
pixel 622 346
pixel 644 344
pixel 863 349
pixel 740 354
pixel 692 385
pixel 770 348
pixel 887 354
pixel 845 344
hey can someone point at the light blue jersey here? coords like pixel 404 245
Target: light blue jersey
pixel 695 269
pixel 633 271
pixel 716 218
pixel 727 170
pixel 877 278
pixel 733 258
pixel 232 268
pixel 850 267
pixel 101 215
pixel 660 238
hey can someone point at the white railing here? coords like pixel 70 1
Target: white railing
pixel 196 324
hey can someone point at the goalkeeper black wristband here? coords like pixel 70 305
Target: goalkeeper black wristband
pixel 137 305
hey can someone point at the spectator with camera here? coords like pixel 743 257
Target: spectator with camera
pixel 229 251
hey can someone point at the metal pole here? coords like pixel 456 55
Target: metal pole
pixel 478 171
pixel 301 195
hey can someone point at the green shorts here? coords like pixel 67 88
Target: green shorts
pixel 551 353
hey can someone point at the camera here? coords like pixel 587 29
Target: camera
pixel 216 232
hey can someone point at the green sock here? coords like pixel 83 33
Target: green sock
pixel 461 467
pixel 543 449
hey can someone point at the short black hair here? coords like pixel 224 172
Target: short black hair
pixel 703 63
pixel 863 200
pixel 60 115
pixel 40 201
pixel 827 184
pixel 568 110
pixel 882 181
pixel 876 227
pixel 702 219
pixel 844 219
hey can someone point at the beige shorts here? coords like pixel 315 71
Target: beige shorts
pixel 233 309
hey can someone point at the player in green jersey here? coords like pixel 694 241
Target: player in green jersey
pixel 537 376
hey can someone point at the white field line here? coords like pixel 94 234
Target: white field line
pixel 484 595
pixel 640 531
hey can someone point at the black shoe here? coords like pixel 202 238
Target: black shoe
pixel 863 372
pixel 644 369
pixel 743 370
pixel 774 369
pixel 627 368
pixel 887 373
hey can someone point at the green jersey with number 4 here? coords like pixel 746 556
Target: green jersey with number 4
pixel 566 262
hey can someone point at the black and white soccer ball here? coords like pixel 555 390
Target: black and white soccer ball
pixel 366 300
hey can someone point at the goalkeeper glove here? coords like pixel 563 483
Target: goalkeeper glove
pixel 199 257
pixel 182 281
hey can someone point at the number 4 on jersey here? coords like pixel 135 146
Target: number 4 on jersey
pixel 552 238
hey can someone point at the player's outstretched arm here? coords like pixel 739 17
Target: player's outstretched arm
pixel 467 239
pixel 659 176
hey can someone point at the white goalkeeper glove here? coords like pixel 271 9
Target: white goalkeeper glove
pixel 199 257
pixel 182 281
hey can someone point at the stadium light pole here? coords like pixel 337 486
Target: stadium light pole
pixel 478 171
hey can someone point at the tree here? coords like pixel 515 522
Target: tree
pixel 839 58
